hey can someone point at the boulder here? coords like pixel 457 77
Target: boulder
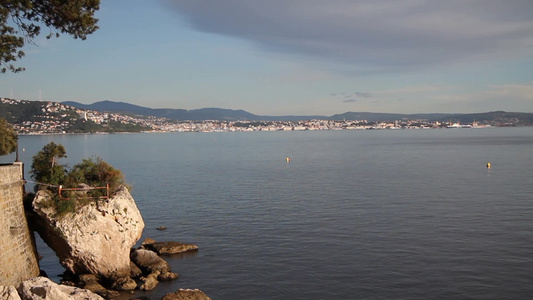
pixel 124 284
pixel 9 293
pixel 168 276
pixel 90 282
pixel 186 294
pixel 149 282
pixel 168 248
pixel 148 241
pixel 135 271
pixel 95 239
pixel 41 288
pixel 149 262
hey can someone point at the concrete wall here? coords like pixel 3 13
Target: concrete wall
pixel 17 254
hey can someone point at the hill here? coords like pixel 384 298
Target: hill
pixel 182 114
pixel 220 114
pixel 53 117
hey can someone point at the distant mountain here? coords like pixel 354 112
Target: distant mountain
pixel 182 114
pixel 500 117
pixel 375 117
pixel 240 115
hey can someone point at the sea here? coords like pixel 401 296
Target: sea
pixel 357 214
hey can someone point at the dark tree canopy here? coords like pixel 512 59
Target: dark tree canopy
pixel 21 22
pixel 8 138
pixel 45 167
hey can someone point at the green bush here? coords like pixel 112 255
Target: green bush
pixel 95 173
pixel 90 173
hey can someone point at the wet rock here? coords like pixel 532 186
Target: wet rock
pixel 124 284
pixel 167 276
pixel 186 294
pixel 90 282
pixel 169 248
pixel 41 288
pixel 135 271
pixel 149 262
pixel 148 241
pixel 149 282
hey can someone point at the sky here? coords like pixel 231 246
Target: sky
pixel 292 57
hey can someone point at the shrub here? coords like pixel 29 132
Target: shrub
pixel 91 172
pixel 95 173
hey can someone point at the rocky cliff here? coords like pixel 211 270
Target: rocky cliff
pixel 96 238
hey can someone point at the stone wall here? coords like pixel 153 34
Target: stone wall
pixel 17 253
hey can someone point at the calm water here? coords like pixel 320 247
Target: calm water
pixel 406 214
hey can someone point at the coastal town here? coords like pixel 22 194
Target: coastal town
pixel 58 118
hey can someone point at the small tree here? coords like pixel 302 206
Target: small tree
pixel 95 173
pixel 46 168
pixel 8 138
pixel 90 172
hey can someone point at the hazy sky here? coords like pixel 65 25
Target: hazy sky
pixel 281 57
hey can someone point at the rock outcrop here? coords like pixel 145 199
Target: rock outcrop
pixel 42 288
pixel 149 262
pixel 186 294
pixel 154 267
pixel 9 293
pixel 168 248
pixel 96 239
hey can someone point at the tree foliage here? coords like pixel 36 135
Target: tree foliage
pixel 95 173
pixel 86 177
pixel 92 172
pixel 8 138
pixel 21 21
pixel 45 167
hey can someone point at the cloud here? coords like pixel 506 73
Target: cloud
pixel 351 97
pixel 507 97
pixel 372 35
pixel 363 95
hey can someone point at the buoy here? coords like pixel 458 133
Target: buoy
pixel 488 165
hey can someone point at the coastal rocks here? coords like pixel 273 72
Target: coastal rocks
pixel 95 239
pixel 168 248
pixel 41 288
pixel 124 284
pixel 135 271
pixel 154 266
pixel 90 282
pixel 9 293
pixel 186 294
pixel 149 282
pixel 149 262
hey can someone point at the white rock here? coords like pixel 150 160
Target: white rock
pixel 42 288
pixel 9 293
pixel 95 239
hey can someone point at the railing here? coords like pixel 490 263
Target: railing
pixel 84 189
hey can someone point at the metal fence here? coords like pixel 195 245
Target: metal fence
pixel 83 189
